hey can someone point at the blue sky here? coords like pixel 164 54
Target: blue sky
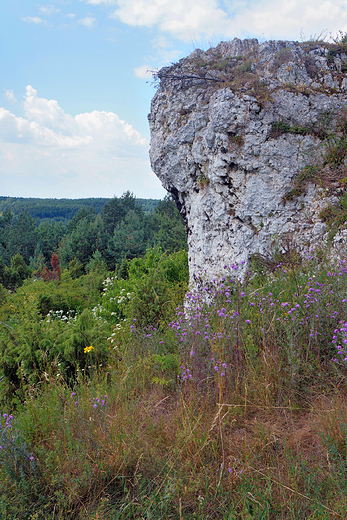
pixel 74 96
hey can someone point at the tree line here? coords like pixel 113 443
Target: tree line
pixel 61 209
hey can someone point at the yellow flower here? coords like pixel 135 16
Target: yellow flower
pixel 88 349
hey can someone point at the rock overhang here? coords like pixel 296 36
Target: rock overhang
pixel 216 147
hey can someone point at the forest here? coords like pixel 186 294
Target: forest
pixel 61 209
pixel 117 231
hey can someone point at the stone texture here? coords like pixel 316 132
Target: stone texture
pixel 213 148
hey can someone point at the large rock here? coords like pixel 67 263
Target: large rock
pixel 231 130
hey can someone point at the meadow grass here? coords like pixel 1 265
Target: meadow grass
pixel 234 409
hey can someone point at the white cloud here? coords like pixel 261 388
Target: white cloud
pixel 161 42
pixel 33 19
pixel 143 72
pixel 285 19
pixel 190 20
pixel 183 19
pixel 47 113
pixel 9 95
pixel 100 2
pixel 163 56
pixel 88 21
pixel 48 10
pixel 50 153
pixel 71 15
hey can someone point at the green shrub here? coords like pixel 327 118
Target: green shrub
pixel 44 329
pixel 155 284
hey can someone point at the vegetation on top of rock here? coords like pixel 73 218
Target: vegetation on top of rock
pixel 327 167
pixel 244 71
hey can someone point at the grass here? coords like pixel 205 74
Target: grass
pixel 236 409
pixel 335 215
pixel 234 73
pixel 278 128
pixel 282 57
pixel 326 165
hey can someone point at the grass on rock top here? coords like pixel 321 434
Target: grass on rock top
pixel 233 409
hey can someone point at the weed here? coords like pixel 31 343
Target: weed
pixel 260 90
pixel 278 128
pixel 311 67
pixel 335 215
pixel 236 140
pixel 239 434
pixel 335 150
pixel 282 57
pixel 247 66
pixel 327 165
pixel 202 179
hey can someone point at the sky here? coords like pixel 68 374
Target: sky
pixel 75 89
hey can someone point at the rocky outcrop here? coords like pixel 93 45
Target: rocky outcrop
pixel 241 136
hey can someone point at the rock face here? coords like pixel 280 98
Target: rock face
pixel 241 136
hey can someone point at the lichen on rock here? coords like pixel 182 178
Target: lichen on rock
pixel 232 131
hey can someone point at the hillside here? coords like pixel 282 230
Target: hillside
pixel 61 209
pixel 117 404
pixel 142 381
pixel 122 230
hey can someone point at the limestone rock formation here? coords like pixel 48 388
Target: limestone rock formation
pixel 251 140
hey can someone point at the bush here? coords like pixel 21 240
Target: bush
pixel 155 284
pixel 235 409
pixel 44 328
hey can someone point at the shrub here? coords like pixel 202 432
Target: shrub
pixel 236 409
pixel 155 284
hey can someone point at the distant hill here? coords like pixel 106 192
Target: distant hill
pixel 61 209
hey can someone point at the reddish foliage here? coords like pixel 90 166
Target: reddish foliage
pixel 55 265
pixel 55 275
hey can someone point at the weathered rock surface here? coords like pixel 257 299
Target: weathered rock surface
pixel 215 148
